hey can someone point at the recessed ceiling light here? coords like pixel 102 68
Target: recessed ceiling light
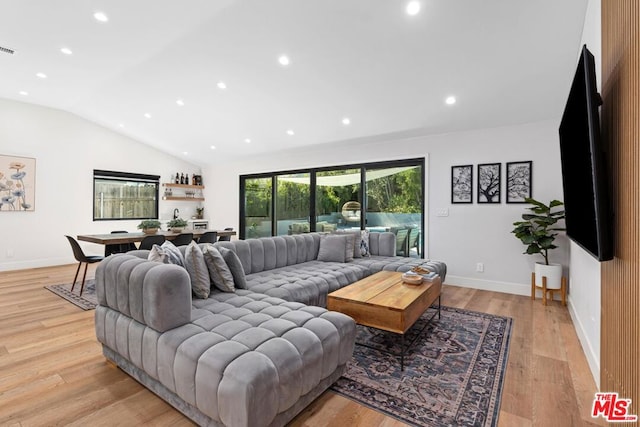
pixel 180 102
pixel 290 132
pixel 24 93
pixel 147 115
pixel 413 8
pixel 284 60
pixel 213 147
pixel 185 153
pixel 66 51
pixel 346 121
pixel 120 125
pixel 247 140
pixel 450 100
pixel 41 75
pixel 101 16
pixel 222 85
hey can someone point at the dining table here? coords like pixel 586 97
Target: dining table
pixel 119 238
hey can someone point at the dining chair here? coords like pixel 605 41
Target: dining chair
pixel 225 238
pixel 208 237
pixel 118 248
pixel 82 259
pixel 149 241
pixel 183 239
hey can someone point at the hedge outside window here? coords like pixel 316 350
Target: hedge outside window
pixel 124 195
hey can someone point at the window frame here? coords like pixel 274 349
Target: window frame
pixel 128 177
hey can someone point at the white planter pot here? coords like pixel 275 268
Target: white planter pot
pixel 553 273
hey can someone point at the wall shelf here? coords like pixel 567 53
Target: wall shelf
pixel 183 193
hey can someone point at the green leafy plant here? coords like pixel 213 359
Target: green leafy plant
pixel 149 223
pixel 537 229
pixel 177 223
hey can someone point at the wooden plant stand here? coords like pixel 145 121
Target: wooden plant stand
pixel 562 290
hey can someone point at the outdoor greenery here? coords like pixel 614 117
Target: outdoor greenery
pixel 536 230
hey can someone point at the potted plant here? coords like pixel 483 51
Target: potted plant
pixel 199 212
pixel 149 226
pixel 537 230
pixel 176 225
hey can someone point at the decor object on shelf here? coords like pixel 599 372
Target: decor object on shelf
pixel 17 183
pixel 149 226
pixel 462 184
pixel 176 225
pixel 537 231
pixel 519 181
pixel 489 183
pixel 199 212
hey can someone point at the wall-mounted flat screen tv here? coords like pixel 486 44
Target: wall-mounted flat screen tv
pixel 584 165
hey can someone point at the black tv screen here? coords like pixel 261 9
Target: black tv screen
pixel 584 165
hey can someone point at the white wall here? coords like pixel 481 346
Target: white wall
pixel 584 295
pixel 471 233
pixel 67 149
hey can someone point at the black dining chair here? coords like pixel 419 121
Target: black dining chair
pixel 118 248
pixel 149 241
pixel 82 259
pixel 225 238
pixel 209 237
pixel 183 239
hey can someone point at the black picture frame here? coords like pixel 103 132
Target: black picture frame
pixel 489 177
pixel 519 180
pixel 462 184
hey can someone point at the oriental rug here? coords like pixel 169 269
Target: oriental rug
pixel 87 301
pixel 453 374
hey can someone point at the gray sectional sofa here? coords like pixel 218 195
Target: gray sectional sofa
pixel 254 357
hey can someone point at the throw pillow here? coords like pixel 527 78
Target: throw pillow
pixel 157 254
pixel 197 269
pixel 364 243
pixel 174 256
pixel 235 266
pixel 334 248
pixel 219 272
pixel 357 253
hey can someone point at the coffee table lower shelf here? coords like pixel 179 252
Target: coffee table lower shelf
pixel 403 349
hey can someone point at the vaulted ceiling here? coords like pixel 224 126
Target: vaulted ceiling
pixel 207 73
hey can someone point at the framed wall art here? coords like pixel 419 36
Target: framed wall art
pixel 17 184
pixel 462 184
pixel 519 181
pixel 489 183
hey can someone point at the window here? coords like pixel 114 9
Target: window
pixel 382 196
pixel 122 195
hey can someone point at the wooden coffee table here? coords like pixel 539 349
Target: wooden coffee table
pixel 383 301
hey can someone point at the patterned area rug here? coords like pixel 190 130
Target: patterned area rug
pixel 453 373
pixel 87 301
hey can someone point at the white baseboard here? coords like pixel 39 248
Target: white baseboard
pixel 593 359
pixel 489 285
pixel 44 262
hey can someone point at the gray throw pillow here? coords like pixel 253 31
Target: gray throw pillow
pixel 168 253
pixel 157 254
pixel 219 272
pixel 364 243
pixel 197 269
pixel 334 248
pixel 235 266
pixel 357 253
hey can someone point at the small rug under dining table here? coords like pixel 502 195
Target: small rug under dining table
pixel 453 373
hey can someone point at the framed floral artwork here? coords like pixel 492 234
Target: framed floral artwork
pixel 17 184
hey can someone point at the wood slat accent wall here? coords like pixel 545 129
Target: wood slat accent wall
pixel 620 278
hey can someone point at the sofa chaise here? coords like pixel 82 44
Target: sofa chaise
pixel 253 357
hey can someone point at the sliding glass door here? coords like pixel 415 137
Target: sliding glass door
pixel 395 203
pixel 383 196
pixel 338 199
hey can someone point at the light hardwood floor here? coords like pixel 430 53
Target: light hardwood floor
pixel 52 371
